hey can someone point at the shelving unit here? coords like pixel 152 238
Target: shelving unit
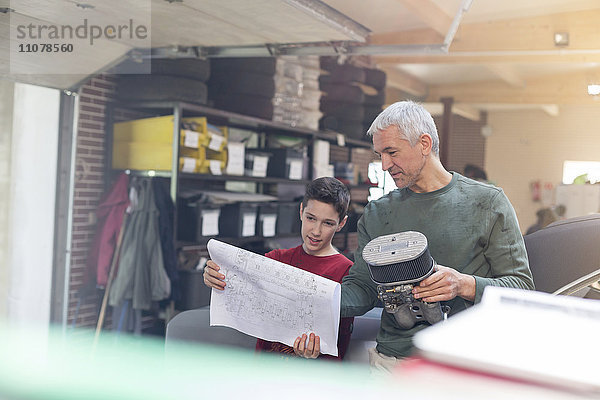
pixel 120 112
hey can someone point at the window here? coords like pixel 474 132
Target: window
pixel 574 169
pixel 385 183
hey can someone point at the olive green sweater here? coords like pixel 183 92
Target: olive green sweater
pixel 470 226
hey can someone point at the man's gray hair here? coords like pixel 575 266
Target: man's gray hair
pixel 411 119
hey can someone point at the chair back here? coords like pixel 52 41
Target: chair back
pixel 564 251
pixel 194 326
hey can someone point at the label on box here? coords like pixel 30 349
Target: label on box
pixel 321 152
pixel 215 142
pixel 210 222
pixel 235 158
pixel 296 169
pixel 268 225
pixel 259 166
pixel 341 140
pixel 190 139
pixel 215 167
pixel 248 224
pixel 189 164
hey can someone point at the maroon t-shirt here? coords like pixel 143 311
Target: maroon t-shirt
pixel 333 267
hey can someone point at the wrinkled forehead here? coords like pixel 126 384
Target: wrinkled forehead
pixel 388 137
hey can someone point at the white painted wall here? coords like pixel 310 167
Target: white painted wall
pixel 531 145
pixel 7 90
pixel 31 204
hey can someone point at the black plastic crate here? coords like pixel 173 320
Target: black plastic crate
pixel 288 218
pixel 238 220
pixel 286 163
pixel 196 221
pixel 266 220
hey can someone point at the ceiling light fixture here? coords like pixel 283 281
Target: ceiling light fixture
pixel 561 39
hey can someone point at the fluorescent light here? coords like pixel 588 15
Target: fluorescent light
pixel 594 90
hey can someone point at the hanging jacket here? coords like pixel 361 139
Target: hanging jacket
pixel 166 211
pixel 109 216
pixel 141 276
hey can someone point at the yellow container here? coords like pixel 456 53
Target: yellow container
pixel 146 144
pixel 160 130
pixel 141 156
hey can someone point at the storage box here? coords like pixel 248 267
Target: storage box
pixel 141 156
pixel 286 163
pixel 236 154
pixel 146 144
pixel 238 220
pixel 266 221
pixel 345 172
pixel 207 161
pixel 256 163
pixel 288 218
pixel 197 222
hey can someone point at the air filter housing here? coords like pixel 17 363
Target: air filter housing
pixel 399 258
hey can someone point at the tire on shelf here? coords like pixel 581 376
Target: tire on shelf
pixel 161 88
pixel 255 106
pixel 352 129
pixel 193 68
pixel 371 112
pixel 343 92
pixel 375 100
pixel 375 78
pixel 262 65
pixel 344 74
pixel 242 82
pixel 349 111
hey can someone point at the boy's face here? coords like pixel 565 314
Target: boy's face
pixel 320 221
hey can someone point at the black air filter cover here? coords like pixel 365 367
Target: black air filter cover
pixel 399 258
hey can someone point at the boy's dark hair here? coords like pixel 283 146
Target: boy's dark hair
pixel 331 191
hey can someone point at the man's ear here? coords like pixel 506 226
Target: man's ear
pixel 426 143
pixel 341 224
pixel 301 209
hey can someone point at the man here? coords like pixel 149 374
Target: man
pixel 471 227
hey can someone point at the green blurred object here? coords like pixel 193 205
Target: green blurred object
pixel 36 366
pixel 581 179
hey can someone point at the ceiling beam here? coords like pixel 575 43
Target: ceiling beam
pixel 428 12
pixel 517 40
pixel 503 57
pixel 467 111
pixel 401 80
pixel 507 73
pixel 570 88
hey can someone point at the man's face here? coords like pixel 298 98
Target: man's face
pixel 403 162
pixel 320 221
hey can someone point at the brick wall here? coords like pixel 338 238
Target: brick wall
pixel 467 145
pixel 89 188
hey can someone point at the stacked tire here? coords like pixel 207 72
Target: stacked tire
pixel 270 88
pixel 182 79
pixel 352 97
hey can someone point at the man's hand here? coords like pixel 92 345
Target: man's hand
pixel 445 284
pixel 310 350
pixel 212 277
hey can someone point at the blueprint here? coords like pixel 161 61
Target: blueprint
pixel 272 300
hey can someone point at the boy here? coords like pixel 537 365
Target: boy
pixel 323 213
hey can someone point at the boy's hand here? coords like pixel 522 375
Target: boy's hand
pixel 212 277
pixel 310 350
